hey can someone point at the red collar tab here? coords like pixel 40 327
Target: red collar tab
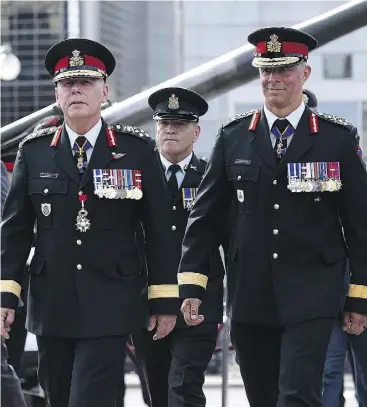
pixel 56 137
pixel 314 123
pixel 255 120
pixel 111 137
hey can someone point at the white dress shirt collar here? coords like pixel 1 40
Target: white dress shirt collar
pixel 183 164
pixel 293 118
pixel 90 135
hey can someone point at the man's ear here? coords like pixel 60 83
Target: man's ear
pixel 197 133
pixel 105 92
pixel 57 95
pixel 306 73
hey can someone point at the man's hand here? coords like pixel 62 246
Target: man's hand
pixel 190 311
pixel 7 318
pixel 164 323
pixel 354 323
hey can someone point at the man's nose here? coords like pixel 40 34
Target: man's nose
pixel 171 128
pixel 273 76
pixel 75 88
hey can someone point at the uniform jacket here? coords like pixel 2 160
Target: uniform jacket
pixel 87 284
pixel 287 255
pixel 212 306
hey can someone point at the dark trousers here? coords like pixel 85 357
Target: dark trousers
pixel 340 343
pixel 176 364
pixel 11 392
pixel 282 367
pixel 81 372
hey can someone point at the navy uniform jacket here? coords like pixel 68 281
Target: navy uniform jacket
pixel 87 284
pixel 287 254
pixel 212 306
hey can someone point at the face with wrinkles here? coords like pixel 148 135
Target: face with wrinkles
pixel 282 87
pixel 81 98
pixel 175 138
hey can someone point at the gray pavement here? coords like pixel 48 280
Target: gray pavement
pixel 213 391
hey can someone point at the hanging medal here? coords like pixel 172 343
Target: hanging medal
pixel 82 222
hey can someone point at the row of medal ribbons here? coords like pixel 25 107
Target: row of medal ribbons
pixel 114 183
pixel 314 177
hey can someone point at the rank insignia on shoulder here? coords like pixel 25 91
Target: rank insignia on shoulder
pixel 334 119
pixel 205 159
pixel 238 117
pixel 37 134
pixel 133 130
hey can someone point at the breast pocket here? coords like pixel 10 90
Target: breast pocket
pixel 49 201
pixel 244 179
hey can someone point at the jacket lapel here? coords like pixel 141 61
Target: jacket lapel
pixel 301 142
pixel 63 157
pixel 261 142
pixel 101 156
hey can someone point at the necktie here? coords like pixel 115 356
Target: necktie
pixel 281 129
pixel 80 147
pixel 172 182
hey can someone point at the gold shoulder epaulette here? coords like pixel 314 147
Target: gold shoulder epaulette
pixel 132 130
pixel 39 133
pixel 238 117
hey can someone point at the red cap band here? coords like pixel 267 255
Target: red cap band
pixel 287 48
pixel 88 61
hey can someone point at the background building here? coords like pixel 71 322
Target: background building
pixel 156 40
pixel 338 68
pixel 140 34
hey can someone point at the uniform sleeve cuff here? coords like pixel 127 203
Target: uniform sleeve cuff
pixel 358 305
pixel 164 306
pixel 9 300
pixel 191 291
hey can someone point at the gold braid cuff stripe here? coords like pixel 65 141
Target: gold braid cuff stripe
pixel 192 278
pixel 162 291
pixel 10 286
pixel 357 291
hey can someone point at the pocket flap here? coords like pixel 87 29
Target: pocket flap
pixel 240 172
pixel 47 186
pixel 37 265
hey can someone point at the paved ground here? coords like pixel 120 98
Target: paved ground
pixel 236 393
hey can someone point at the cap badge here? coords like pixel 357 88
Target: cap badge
pixel 173 102
pixel 76 59
pixel 305 98
pixel 274 45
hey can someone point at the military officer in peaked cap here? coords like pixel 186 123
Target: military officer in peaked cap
pixel 298 183
pixel 88 186
pixel 176 365
pixel 310 99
